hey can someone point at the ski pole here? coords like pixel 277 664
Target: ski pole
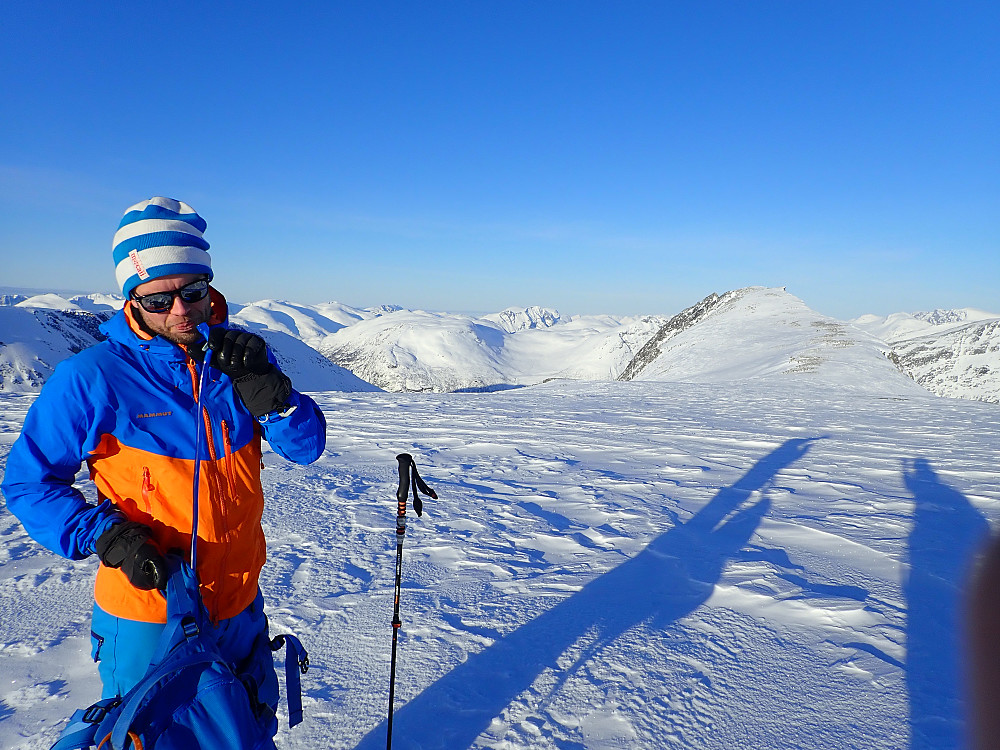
pixel 408 477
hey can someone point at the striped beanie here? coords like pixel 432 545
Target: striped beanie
pixel 159 237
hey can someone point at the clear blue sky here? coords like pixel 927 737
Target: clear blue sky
pixel 618 157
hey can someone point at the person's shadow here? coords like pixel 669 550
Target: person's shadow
pixel 947 533
pixel 669 579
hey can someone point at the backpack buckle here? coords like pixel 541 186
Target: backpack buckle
pixel 190 627
pixel 96 713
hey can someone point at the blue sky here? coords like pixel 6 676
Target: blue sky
pixel 597 157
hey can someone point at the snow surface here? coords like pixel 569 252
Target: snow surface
pixel 764 563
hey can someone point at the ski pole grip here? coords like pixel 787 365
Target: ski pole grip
pixel 405 462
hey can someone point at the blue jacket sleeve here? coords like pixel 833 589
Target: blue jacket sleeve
pixel 44 461
pixel 299 433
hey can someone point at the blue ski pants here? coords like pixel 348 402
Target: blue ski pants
pixel 123 649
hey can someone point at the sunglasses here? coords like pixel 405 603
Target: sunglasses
pixel 161 302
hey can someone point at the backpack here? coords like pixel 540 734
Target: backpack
pixel 189 697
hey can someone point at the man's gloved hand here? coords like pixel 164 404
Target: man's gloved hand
pixel 243 357
pixel 126 545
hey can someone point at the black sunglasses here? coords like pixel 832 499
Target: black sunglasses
pixel 161 302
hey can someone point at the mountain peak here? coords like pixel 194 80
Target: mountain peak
pixel 515 319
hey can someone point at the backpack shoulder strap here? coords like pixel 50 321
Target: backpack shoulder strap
pixel 293 683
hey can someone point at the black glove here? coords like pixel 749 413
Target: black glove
pixel 126 545
pixel 243 357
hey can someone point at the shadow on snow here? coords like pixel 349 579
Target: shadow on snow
pixel 947 533
pixel 668 580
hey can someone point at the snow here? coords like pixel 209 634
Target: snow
pixel 760 539
pixel 49 302
pixel 767 562
pixel 758 332
pixel 954 353
pixel 440 352
pixel 309 323
pixel 750 332
pixel 33 340
pixel 901 326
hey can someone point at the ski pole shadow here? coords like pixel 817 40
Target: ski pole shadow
pixel 668 580
pixel 946 535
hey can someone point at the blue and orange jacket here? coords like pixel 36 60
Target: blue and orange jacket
pixel 127 407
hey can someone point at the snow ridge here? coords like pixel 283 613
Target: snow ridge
pixel 680 322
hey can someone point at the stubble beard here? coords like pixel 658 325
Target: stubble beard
pixel 165 328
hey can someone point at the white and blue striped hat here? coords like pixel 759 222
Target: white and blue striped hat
pixel 159 237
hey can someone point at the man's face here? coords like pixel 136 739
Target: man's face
pixel 179 323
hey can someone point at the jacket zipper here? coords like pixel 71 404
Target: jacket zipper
pixel 218 484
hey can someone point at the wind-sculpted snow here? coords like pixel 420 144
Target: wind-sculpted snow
pixel 767 564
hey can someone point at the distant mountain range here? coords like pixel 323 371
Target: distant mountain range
pixel 754 332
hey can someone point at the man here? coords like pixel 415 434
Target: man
pixel 128 408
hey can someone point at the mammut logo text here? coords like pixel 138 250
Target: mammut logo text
pixel 154 414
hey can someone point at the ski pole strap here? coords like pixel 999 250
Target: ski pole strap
pixel 409 478
pixel 296 660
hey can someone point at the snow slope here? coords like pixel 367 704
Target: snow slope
pixel 308 369
pixel 33 340
pixel 768 563
pixel 959 363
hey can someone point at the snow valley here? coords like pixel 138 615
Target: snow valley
pixel 742 526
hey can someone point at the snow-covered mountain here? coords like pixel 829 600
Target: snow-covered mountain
pixel 308 323
pixel 39 332
pixel 901 326
pixel 757 332
pixel 741 334
pixel 954 353
pixel 513 319
pixel 33 340
pixel 421 351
